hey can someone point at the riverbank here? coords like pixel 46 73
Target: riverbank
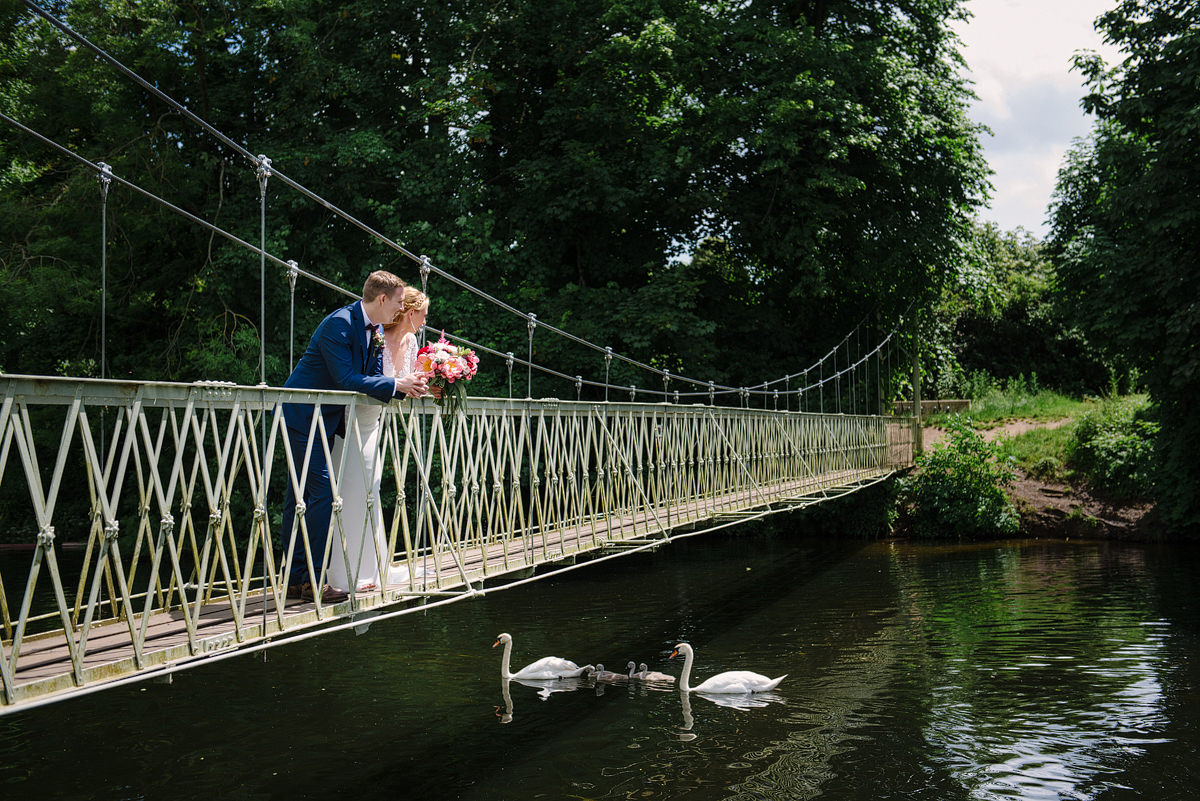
pixel 1050 508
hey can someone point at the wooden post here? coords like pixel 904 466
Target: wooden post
pixel 880 395
pixel 918 439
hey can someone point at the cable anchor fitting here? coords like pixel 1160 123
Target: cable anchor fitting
pixel 105 175
pixel 263 172
pixel 426 268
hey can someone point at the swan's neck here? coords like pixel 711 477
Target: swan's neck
pixel 504 665
pixel 687 672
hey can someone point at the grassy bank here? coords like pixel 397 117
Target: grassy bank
pixel 1098 452
pixel 1018 402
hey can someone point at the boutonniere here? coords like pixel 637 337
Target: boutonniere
pixel 377 340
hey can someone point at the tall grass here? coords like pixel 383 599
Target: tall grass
pixel 1040 452
pixel 994 402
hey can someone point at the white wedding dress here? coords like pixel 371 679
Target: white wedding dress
pixel 362 514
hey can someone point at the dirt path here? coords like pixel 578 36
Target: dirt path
pixel 933 435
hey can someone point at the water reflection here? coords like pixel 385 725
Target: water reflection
pixel 685 702
pixel 744 701
pixel 1007 670
pixel 507 715
pixel 1031 703
pixel 545 688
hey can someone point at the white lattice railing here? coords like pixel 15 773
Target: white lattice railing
pixel 142 518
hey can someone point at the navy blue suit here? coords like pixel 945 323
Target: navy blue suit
pixel 337 357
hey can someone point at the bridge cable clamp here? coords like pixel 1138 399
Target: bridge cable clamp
pixel 105 175
pixel 425 269
pixel 263 172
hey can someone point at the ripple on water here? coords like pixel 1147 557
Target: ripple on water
pixel 996 671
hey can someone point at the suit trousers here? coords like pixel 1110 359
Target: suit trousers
pixel 318 500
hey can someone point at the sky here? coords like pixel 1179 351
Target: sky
pixel 1019 54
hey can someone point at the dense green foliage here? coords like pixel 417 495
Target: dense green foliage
pixel 1126 224
pixel 998 330
pixel 668 177
pixel 1112 449
pixel 958 487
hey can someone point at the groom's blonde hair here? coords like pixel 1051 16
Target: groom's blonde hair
pixel 381 282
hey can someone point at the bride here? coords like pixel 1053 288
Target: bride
pixel 362 515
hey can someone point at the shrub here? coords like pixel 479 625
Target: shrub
pixel 1113 449
pixel 1046 468
pixel 958 488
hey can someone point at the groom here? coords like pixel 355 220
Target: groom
pixel 344 353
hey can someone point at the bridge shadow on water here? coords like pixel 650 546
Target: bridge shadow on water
pixel 409 708
pixel 1030 670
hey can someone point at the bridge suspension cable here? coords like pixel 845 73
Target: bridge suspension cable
pixel 262 164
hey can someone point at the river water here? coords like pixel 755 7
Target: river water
pixel 1023 669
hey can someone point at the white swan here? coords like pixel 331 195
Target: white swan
pixel 630 667
pixel 731 681
pixel 645 674
pixel 548 667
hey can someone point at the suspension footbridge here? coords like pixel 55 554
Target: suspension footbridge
pixel 171 492
pixel 144 517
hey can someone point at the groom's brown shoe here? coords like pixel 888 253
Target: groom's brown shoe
pixel 329 594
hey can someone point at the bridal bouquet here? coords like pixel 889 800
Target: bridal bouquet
pixel 448 367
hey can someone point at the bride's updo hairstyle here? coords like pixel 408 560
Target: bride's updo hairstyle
pixel 414 300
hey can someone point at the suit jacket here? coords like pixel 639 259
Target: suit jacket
pixel 338 357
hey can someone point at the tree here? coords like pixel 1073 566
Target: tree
pixel 999 319
pixel 1125 224
pixel 672 178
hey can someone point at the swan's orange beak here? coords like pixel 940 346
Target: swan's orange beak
pixel 674 654
pixel 497 642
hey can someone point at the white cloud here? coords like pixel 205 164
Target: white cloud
pixel 1019 53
